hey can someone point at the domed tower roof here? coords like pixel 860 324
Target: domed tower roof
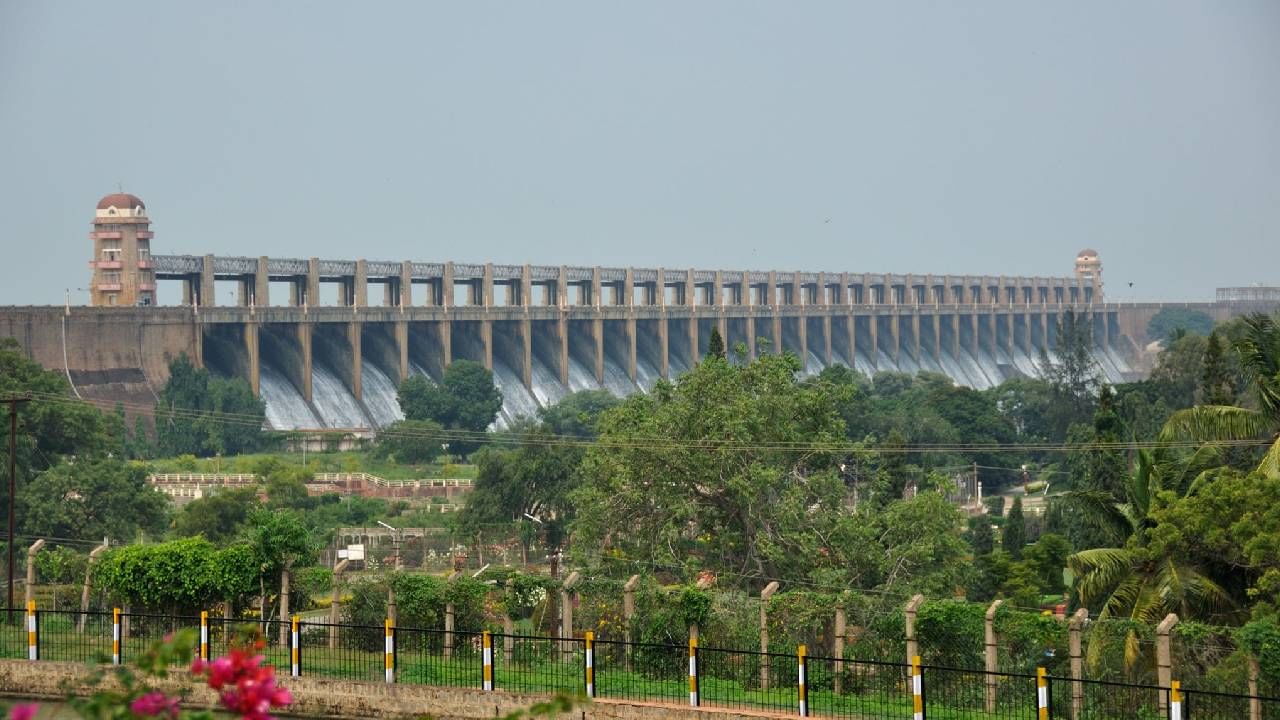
pixel 121 201
pixel 1087 253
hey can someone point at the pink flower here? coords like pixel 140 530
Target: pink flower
pixel 23 712
pixel 155 703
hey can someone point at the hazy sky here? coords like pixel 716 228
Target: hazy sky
pixel 974 137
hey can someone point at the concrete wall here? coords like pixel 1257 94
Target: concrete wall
pixel 115 354
pixel 317 697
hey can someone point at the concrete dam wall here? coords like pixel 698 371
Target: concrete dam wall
pixel 338 367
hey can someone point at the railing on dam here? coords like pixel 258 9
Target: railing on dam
pixel 449 284
pixel 796 682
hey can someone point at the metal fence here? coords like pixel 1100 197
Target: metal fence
pixel 771 683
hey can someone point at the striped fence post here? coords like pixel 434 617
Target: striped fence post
pixel 33 632
pixel 389 656
pixel 115 636
pixel 694 699
pixel 801 688
pixel 295 648
pixel 204 635
pixel 589 662
pixel 1042 693
pixel 486 657
pixel 1175 700
pixel 917 689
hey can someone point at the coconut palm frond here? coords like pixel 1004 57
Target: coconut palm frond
pixel 1213 423
pixel 1270 465
pixel 1100 572
pixel 1100 509
pixel 1259 351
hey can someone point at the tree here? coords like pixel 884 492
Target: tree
pixel 411 442
pixel 1216 384
pixel 1014 535
pixel 1106 466
pixel 1072 372
pixel 1047 558
pixel 466 399
pixel 578 414
pixel 51 425
pixel 219 517
pixel 1169 320
pixel 1259 352
pixel 92 499
pixel 201 415
pixel 1179 368
pixel 715 346
pixel 717 490
pixel 981 537
pixel 1130 579
pixel 179 577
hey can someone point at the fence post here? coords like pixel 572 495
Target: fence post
pixel 801 691
pixel 628 612
pixel 116 636
pixel 913 607
pixel 204 635
pixel 84 590
pixel 567 596
pixel 389 651
pixel 284 603
pixel 33 637
pixel 31 568
pixel 1255 705
pixel 588 662
pixel 1175 700
pixel 508 638
pixel 1042 693
pixel 765 594
pixel 1074 629
pixel 335 602
pixel 917 689
pixel 989 654
pixel 486 657
pixel 837 649
pixel 1164 661
pixel 449 611
pixel 295 648
pixel 694 696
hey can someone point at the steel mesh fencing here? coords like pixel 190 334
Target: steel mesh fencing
pixel 1208 705
pixel 857 689
pixel 641 671
pixel 528 664
pixel 437 657
pixel 345 652
pixel 70 636
pixel 747 679
pixel 955 693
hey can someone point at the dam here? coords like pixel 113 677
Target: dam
pixel 546 331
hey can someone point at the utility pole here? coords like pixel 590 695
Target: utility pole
pixel 13 401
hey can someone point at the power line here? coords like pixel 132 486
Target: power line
pixel 665 443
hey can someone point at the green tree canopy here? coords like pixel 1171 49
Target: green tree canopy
pixel 91 499
pixel 219 518
pixel 466 399
pixel 198 414
pixel 1171 319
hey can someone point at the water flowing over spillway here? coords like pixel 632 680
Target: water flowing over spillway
pixel 334 406
pixel 286 408
pixel 379 394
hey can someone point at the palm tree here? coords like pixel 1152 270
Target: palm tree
pixel 1129 581
pixel 1259 352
